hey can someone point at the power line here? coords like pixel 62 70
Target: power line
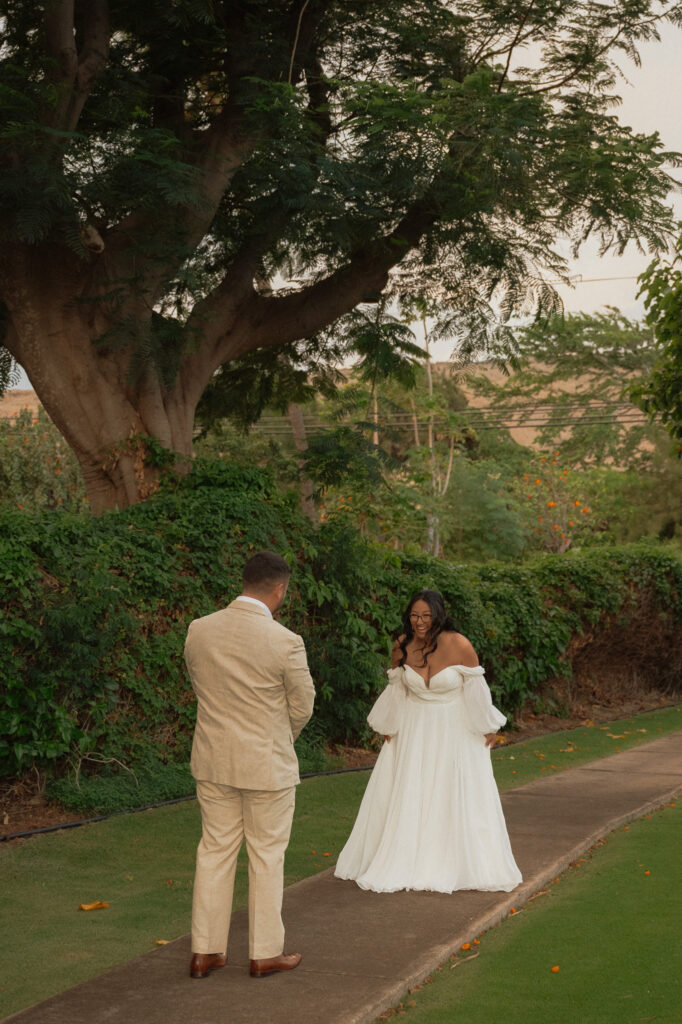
pixel 634 420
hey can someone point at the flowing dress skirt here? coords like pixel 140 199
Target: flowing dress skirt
pixel 431 816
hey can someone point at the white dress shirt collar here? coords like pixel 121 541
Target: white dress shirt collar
pixel 254 600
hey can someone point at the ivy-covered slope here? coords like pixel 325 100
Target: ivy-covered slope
pixel 94 611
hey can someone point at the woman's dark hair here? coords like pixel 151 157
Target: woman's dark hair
pixel 440 623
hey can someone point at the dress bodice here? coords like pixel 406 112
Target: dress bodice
pixel 443 687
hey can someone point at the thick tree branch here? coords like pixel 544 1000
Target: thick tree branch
pixel 93 52
pixel 60 44
pixel 278 320
pixel 514 44
pixel 77 44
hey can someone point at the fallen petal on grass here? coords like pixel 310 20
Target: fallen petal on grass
pixel 97 905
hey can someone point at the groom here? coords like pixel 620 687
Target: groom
pixel 254 695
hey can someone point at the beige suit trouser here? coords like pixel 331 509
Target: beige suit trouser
pixel 228 816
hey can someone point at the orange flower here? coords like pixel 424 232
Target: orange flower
pixel 477 942
pixel 325 854
pixel 539 519
pixel 577 504
pixel 538 481
pixel 555 969
pixel 647 872
pixel 570 522
pixel 467 945
pixel 551 504
pixel 555 527
pixel 586 511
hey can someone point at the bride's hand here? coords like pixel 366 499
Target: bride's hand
pixel 490 738
pixel 387 738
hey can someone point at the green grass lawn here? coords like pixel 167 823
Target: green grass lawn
pixel 612 927
pixel 518 763
pixel 143 864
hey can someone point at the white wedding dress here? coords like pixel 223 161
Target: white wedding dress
pixel 431 816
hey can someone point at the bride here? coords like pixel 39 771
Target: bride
pixel 431 816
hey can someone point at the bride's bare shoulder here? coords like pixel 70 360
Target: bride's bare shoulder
pixel 460 650
pixel 396 653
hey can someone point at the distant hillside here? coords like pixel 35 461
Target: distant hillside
pixel 12 402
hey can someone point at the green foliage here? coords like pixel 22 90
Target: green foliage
pixel 95 610
pixel 344 457
pixel 37 468
pixel 570 376
pixel 109 792
pixel 461 486
pixel 660 394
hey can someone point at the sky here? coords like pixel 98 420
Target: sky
pixel 650 103
pixel 650 95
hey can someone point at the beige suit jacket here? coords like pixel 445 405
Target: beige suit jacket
pixel 254 695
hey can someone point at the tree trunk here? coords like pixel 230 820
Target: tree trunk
pixel 106 413
pixel 375 421
pixel 301 442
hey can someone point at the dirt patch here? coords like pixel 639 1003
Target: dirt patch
pixel 24 808
pixel 12 402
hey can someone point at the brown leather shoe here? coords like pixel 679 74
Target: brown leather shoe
pixel 203 963
pixel 283 962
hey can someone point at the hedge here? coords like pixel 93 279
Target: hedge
pixel 94 612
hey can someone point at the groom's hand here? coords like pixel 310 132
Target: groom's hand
pixel 387 738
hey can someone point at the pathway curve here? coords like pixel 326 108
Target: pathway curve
pixel 362 950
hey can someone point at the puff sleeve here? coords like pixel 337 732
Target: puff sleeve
pixel 386 714
pixel 482 714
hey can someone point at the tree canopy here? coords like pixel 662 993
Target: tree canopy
pixel 182 183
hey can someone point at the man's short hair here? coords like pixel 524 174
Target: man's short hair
pixel 265 570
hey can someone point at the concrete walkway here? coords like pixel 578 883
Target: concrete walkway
pixel 362 950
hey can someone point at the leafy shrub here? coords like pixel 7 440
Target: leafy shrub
pixel 38 470
pixel 110 792
pixel 94 612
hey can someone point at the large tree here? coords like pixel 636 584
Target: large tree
pixel 161 160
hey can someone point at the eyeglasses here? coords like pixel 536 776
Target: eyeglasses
pixel 420 618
